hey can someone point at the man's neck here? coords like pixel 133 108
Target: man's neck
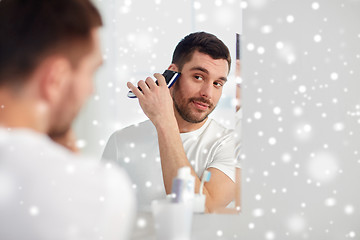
pixel 185 126
pixel 20 113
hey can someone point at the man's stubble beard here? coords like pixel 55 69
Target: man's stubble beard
pixel 185 112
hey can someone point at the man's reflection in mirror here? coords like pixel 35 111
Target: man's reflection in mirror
pixel 179 131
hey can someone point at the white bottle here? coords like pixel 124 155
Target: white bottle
pixel 183 186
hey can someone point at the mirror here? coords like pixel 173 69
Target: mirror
pixel 137 41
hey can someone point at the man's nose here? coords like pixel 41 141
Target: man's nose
pixel 206 90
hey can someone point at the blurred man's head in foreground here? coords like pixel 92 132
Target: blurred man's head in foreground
pixel 49 52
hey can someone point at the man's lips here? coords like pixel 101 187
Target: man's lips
pixel 201 105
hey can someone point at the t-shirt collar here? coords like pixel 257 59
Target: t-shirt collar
pixel 196 132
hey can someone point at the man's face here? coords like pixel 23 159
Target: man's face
pixel 199 88
pixel 78 89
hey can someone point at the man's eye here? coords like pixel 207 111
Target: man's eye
pixel 218 84
pixel 199 77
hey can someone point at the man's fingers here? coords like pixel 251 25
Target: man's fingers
pixel 160 78
pixel 150 82
pixel 144 87
pixel 134 89
pixel 147 85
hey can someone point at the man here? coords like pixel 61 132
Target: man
pixel 181 134
pixel 49 52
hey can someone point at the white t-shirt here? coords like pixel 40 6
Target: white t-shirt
pixel 136 149
pixel 47 192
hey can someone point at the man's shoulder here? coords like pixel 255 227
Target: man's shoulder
pixel 31 152
pixel 218 128
pixel 64 184
pixel 26 142
pixel 145 128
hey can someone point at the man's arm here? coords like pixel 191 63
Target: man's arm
pixel 157 104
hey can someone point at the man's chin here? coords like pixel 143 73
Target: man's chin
pixel 197 119
pixel 191 114
pixel 58 132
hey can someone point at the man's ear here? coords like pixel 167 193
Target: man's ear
pixel 55 76
pixel 173 67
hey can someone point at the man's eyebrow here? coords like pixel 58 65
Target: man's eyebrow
pixel 223 79
pixel 206 71
pixel 200 69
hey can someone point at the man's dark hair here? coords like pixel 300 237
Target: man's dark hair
pixel 203 42
pixel 31 30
